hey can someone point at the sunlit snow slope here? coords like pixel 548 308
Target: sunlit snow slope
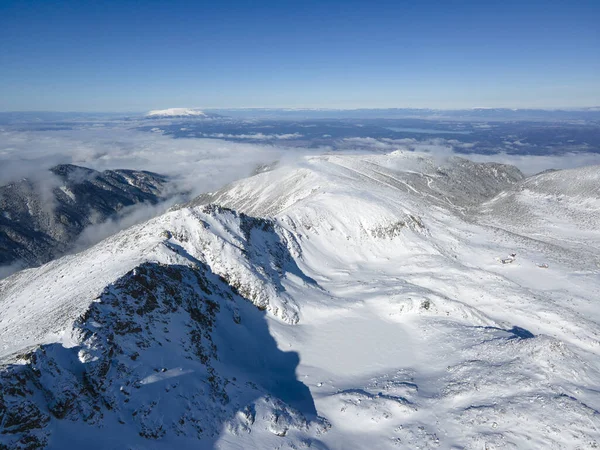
pixel 346 302
pixel 558 207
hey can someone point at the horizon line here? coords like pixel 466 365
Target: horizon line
pixel 284 108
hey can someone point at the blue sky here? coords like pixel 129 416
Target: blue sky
pixel 139 55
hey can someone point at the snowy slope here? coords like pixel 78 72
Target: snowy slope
pixel 561 208
pixel 162 359
pixel 402 328
pixel 54 295
pixel 155 302
pixel 415 178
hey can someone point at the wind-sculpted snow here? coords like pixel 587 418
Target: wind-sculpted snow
pixel 413 177
pixel 398 311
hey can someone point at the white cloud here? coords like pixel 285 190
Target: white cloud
pixel 532 164
pixel 198 164
pixel 255 136
pixel 444 148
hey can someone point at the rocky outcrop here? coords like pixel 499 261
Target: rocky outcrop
pixel 166 353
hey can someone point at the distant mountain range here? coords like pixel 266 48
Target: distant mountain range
pixel 473 114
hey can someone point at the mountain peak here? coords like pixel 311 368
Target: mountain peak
pixel 177 112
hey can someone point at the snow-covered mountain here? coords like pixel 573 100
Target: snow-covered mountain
pixel 344 302
pixel 179 113
pixel 556 207
pixel 42 218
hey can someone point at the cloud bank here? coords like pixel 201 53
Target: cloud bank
pixel 444 148
pixel 194 165
pixel 198 165
pixel 255 136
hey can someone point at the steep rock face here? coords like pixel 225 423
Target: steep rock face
pixel 40 221
pixel 166 354
pixel 255 256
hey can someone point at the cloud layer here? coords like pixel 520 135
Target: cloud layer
pixel 444 148
pixel 204 165
pixel 195 165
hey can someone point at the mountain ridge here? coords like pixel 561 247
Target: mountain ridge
pixel 41 219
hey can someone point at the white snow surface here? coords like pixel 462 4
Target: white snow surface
pixel 410 332
pixel 560 207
